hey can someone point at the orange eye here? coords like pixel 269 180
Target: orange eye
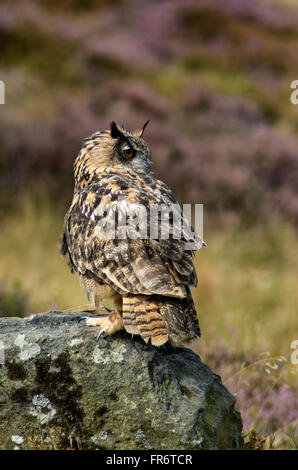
pixel 129 152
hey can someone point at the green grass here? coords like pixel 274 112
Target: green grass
pixel 247 282
pixel 29 243
pixel 247 276
pixel 246 296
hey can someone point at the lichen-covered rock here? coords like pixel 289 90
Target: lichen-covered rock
pixel 60 388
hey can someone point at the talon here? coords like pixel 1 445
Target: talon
pixel 83 318
pixel 107 309
pixel 100 334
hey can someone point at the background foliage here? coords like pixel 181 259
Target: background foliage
pixel 214 78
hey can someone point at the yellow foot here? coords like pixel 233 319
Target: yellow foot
pixel 108 324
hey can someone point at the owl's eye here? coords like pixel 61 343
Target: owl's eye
pixel 129 152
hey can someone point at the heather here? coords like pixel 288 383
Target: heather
pixel 264 386
pixel 213 76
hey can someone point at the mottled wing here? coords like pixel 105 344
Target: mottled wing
pixel 130 266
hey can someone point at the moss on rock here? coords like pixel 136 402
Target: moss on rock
pixel 117 393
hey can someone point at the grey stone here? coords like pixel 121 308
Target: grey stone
pixel 60 388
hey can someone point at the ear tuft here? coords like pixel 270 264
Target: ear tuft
pixel 115 132
pixel 141 132
pixel 144 127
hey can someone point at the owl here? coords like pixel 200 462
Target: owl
pixel 144 276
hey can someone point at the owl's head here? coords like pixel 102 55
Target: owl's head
pixel 116 148
pixel 130 149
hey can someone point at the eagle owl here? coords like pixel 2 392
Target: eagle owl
pixel 147 278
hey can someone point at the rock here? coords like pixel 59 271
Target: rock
pixel 60 388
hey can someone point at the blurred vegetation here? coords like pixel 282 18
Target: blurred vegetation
pixel 214 78
pixel 247 277
pixel 13 301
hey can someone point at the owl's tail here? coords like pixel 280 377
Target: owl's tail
pixel 159 318
pixel 141 316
